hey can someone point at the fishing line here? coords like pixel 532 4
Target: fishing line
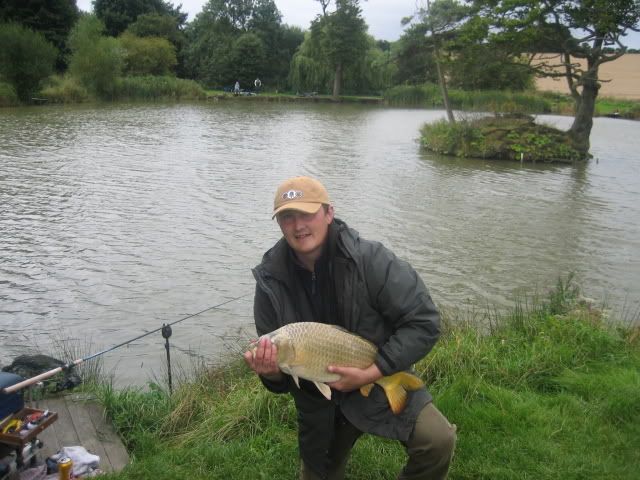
pixel 50 373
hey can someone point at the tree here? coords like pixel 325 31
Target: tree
pixel 163 26
pixel 96 60
pixel 247 56
pixel 53 18
pixel 148 55
pixel 342 38
pixel 26 58
pixel 413 57
pixel 573 30
pixel 442 19
pixel 117 15
pixel 213 35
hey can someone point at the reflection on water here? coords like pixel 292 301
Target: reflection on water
pixel 116 219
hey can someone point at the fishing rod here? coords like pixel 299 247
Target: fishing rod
pixel 43 376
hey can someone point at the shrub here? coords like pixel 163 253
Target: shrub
pixel 26 59
pixel 65 89
pixel 8 95
pixel 96 60
pixel 147 56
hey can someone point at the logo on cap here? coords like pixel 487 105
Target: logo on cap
pixel 292 194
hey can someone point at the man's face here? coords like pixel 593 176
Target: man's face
pixel 306 232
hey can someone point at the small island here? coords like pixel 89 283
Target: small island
pixel 501 137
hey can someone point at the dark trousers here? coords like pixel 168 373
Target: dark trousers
pixel 430 448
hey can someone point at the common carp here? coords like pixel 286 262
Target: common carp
pixel 307 349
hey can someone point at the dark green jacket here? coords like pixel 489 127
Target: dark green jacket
pixel 378 297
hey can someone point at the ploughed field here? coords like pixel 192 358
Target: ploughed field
pixel 623 75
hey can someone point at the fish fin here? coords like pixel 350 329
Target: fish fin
pixel 365 390
pixel 324 389
pixel 396 386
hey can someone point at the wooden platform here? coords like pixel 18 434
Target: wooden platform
pixel 81 421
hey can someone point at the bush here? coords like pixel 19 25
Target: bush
pixel 26 59
pixel 147 56
pixel 96 60
pixel 65 89
pixel 8 95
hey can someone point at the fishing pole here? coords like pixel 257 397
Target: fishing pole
pixel 43 376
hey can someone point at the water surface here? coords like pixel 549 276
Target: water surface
pixel 116 219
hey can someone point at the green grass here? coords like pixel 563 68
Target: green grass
pixel 546 391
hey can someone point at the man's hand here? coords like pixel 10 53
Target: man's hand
pixel 352 378
pixel 264 360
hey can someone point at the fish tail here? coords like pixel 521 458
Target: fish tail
pixel 396 387
pixel 365 390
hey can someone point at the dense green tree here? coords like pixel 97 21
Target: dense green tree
pixel 212 41
pixel 156 25
pixel 147 55
pixel 163 26
pixel 310 69
pixel 290 39
pixel 372 72
pixel 413 57
pixel 53 18
pixel 117 15
pixel 571 29
pixel 96 60
pixel 26 58
pixel 342 35
pixel 247 56
pixel 442 20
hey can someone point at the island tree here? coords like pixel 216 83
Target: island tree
pixel 592 31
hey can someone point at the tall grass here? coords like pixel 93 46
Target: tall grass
pixel 64 89
pixel 547 391
pixel 157 87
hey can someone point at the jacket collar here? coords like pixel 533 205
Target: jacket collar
pixel 277 261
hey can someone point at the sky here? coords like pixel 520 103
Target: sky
pixel 382 16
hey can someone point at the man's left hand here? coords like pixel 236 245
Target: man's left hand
pixel 352 378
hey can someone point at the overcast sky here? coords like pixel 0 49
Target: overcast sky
pixel 382 16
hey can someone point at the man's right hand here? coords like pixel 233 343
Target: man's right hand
pixel 264 360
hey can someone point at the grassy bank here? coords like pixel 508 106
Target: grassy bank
pixel 547 391
pixel 66 89
pixel 291 97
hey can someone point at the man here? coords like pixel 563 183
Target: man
pixel 321 270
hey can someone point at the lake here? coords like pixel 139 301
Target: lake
pixel 116 219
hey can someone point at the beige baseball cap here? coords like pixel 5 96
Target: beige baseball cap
pixel 304 194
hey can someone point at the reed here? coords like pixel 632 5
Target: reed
pixel 157 88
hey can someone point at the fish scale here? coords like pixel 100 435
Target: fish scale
pixel 307 349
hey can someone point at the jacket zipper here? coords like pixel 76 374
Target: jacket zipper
pixel 313 283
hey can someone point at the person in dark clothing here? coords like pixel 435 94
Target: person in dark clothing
pixel 321 270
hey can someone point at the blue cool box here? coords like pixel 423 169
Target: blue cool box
pixel 12 402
